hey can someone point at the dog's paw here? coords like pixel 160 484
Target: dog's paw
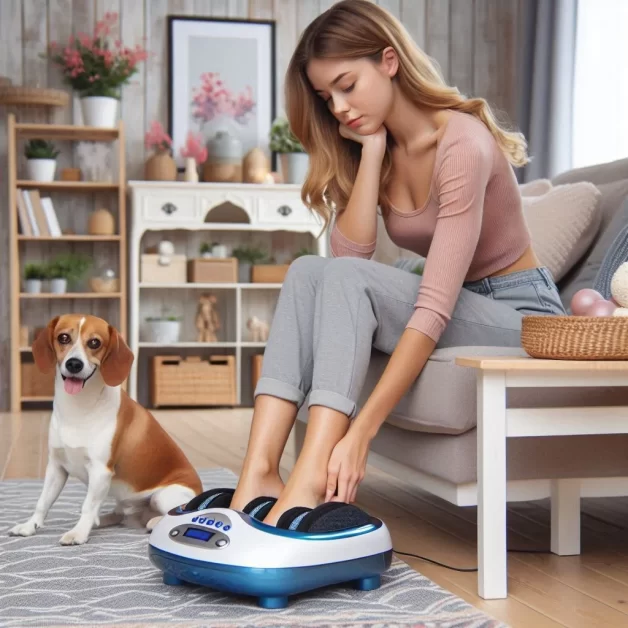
pixel 24 529
pixel 152 523
pixel 74 537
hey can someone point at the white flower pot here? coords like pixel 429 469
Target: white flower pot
pixel 42 170
pixel 32 286
pixel 99 111
pixel 294 167
pixel 163 332
pixel 58 286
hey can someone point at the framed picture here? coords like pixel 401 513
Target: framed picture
pixel 221 76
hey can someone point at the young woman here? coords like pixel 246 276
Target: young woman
pixel 383 129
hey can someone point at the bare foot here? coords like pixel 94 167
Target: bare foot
pixel 252 485
pixel 302 489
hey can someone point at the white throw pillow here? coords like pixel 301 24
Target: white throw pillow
pixel 538 187
pixel 563 223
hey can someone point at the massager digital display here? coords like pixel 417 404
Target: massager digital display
pixel 231 551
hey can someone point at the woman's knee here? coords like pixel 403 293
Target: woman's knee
pixel 306 268
pixel 345 268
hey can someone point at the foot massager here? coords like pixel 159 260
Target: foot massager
pixel 207 543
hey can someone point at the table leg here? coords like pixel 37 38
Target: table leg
pixel 491 462
pixel 565 497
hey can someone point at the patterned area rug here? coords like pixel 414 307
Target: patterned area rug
pixel 110 582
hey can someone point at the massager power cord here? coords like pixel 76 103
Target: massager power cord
pixel 465 569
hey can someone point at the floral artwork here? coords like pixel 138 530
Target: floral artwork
pixel 221 79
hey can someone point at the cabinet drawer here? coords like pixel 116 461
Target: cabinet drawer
pixel 277 210
pixel 170 207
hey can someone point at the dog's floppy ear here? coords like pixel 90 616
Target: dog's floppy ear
pixel 116 365
pixel 43 349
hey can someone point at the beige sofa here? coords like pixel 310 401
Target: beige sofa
pixel 430 437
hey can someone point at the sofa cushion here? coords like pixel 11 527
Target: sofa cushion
pixel 614 258
pixel 537 187
pixel 454 458
pixel 587 272
pixel 562 224
pixel 598 174
pixel 443 397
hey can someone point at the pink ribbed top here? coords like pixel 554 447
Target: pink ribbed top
pixel 471 225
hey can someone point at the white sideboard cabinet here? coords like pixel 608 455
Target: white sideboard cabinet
pixel 271 217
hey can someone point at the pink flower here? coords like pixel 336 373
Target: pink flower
pixel 194 148
pixel 212 99
pixel 157 138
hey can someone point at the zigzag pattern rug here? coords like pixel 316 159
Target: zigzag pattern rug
pixel 110 582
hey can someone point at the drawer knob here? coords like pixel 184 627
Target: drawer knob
pixel 168 208
pixel 284 210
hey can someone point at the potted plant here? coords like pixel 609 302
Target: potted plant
pixel 97 67
pixel 294 160
pixel 165 330
pixel 247 257
pixel 66 269
pixel 34 274
pixel 161 166
pixel 41 160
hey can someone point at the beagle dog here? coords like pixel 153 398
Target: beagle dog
pixel 101 436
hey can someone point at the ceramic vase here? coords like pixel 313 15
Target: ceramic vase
pixel 191 171
pixel 294 167
pixel 160 167
pixel 42 170
pixel 224 161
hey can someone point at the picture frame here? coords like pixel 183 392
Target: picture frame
pixel 212 87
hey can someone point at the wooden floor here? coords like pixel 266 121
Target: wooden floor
pixel 544 590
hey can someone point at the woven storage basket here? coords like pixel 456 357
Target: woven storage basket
pixel 193 381
pixel 575 337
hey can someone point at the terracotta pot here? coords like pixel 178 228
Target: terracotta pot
pixel 160 167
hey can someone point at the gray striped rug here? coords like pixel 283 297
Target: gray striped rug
pixel 110 582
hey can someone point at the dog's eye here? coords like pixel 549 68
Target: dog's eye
pixel 94 343
pixel 63 339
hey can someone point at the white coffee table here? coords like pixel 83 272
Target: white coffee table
pixel 496 423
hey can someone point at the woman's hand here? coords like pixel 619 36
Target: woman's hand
pixel 377 139
pixel 347 466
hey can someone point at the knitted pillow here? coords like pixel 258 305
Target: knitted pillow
pixel 538 187
pixel 614 258
pixel 562 224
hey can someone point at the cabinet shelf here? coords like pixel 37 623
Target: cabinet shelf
pixel 191 344
pixel 211 286
pixel 36 399
pixel 78 186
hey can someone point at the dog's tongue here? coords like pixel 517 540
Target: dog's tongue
pixel 72 385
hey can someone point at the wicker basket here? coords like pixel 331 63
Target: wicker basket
pixel 193 381
pixel 575 337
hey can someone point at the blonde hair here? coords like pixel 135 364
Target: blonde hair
pixel 353 29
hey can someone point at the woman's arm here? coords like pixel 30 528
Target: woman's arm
pixel 355 228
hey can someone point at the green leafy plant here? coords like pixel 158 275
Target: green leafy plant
pixel 69 266
pixel 250 254
pixel 35 270
pixel 40 149
pixel 155 319
pixel 282 140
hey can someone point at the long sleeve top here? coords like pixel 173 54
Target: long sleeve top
pixel 471 225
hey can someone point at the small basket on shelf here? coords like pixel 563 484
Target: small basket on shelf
pixel 575 337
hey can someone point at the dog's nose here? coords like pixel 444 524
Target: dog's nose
pixel 74 365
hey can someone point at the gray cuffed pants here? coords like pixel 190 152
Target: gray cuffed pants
pixel 332 311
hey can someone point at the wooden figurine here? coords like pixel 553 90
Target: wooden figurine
pixel 259 328
pixel 207 319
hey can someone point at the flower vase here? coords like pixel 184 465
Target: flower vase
pixel 224 154
pixel 191 172
pixel 160 167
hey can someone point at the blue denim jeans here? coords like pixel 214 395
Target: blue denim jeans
pixel 527 291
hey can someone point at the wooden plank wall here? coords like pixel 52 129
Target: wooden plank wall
pixel 474 41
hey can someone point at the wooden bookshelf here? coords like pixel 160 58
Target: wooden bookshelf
pixel 19 242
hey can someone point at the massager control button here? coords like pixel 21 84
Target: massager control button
pixel 213 520
pixel 221 542
pixel 174 533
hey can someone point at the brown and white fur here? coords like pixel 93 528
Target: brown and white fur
pixel 101 436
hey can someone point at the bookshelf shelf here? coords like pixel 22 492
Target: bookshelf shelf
pixel 79 186
pixel 34 221
pixel 69 132
pixel 69 238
